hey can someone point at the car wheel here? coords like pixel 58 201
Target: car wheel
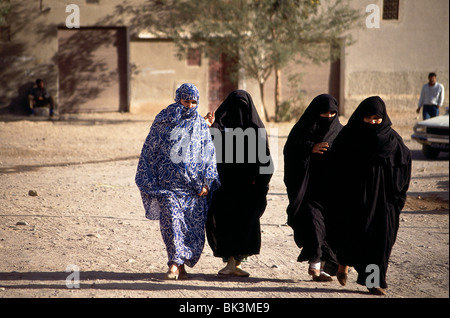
pixel 430 153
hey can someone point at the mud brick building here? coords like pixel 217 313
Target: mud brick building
pixel 107 65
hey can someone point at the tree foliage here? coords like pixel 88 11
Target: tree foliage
pixel 262 35
pixel 5 7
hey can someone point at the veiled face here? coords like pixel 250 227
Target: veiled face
pixel 188 103
pixel 374 120
pixel 187 92
pixel 329 114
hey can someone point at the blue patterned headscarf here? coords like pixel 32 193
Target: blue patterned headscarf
pixel 187 91
pixel 178 156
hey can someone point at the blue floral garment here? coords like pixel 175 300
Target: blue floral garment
pixel 177 160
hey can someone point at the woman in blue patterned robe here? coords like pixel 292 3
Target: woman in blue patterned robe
pixel 176 176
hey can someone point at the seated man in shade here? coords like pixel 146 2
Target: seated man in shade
pixel 39 97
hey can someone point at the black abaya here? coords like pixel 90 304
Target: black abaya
pixel 306 178
pixel 233 227
pixel 373 169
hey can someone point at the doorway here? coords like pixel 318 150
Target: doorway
pixel 222 79
pixel 93 70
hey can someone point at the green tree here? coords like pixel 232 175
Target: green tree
pixel 261 35
pixel 5 6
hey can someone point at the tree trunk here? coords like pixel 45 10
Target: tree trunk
pixel 277 92
pixel 264 110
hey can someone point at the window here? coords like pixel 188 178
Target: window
pixel 390 9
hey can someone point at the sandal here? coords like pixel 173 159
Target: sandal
pixel 377 291
pixel 183 274
pixel 173 275
pixel 342 278
pixel 323 277
pixel 233 268
pixel 342 274
pixel 234 272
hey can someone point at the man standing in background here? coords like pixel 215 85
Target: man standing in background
pixel 431 97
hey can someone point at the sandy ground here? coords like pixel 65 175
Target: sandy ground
pixel 88 213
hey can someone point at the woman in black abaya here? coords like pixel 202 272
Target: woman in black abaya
pixel 373 170
pixel 306 163
pixel 233 228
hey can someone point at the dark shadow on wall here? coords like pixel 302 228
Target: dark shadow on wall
pixel 88 68
pixel 19 67
pixel 19 105
pixel 85 74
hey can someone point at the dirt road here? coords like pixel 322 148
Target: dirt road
pixel 86 214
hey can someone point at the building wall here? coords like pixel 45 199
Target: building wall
pixel 32 51
pixel 157 73
pixel 393 61
pixel 314 80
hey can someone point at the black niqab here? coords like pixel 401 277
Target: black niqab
pixel 370 181
pixel 306 178
pixel 311 125
pixel 309 130
pixel 237 110
pixel 233 227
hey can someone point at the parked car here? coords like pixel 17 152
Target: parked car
pixel 433 135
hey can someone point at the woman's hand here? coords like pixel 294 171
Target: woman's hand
pixel 204 191
pixel 209 118
pixel 320 148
